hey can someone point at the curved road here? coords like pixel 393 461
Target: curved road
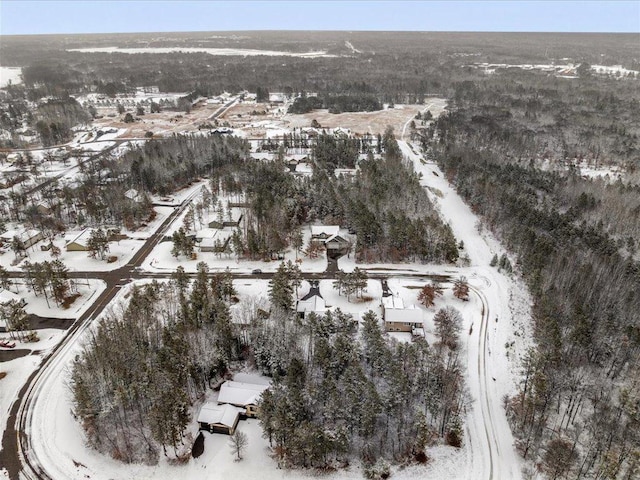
pixel 492 453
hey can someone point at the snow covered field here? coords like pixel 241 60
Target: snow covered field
pixel 19 369
pixel 211 51
pixel 10 75
pixel 566 70
pixel 76 261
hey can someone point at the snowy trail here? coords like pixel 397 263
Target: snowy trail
pixel 493 455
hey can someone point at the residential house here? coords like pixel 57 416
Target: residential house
pixel 43 208
pixel 319 233
pixel 213 240
pixel 6 296
pixel 132 194
pixel 218 418
pixel 80 243
pixel 398 318
pixel 329 236
pixel 242 395
pixel 312 301
pixel 231 218
pixel 27 237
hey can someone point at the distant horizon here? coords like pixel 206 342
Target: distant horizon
pixel 34 17
pixel 318 31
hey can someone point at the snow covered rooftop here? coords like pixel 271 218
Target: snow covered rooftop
pixel 82 238
pixel 23 235
pixel 403 315
pixel 392 302
pixel 6 296
pixel 312 304
pixel 211 413
pixel 237 393
pixel 324 230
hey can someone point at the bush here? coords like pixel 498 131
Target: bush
pixel 380 470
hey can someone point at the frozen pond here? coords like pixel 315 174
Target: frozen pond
pixel 211 51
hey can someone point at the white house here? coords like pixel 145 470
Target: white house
pixel 213 240
pixel 243 395
pixel 27 237
pixel 398 318
pixel 312 301
pixel 218 418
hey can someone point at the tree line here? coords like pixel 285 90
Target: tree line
pixel 576 411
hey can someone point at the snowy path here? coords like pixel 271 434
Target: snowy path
pixel 493 456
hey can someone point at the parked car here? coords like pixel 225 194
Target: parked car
pixel 5 344
pixel 256 271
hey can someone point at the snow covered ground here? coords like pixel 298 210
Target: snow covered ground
pixel 492 368
pixel 76 261
pixel 495 335
pixel 10 75
pixel 58 439
pixel 18 370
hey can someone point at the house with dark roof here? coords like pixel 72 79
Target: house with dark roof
pixel 312 301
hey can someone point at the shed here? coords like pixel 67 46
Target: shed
pixel 218 418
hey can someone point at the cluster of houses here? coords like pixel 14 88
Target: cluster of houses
pixel 29 237
pixel 236 401
pixel 396 316
pixel 215 237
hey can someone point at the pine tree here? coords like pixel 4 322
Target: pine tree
pixel 281 289
pixel 98 243
pixel 448 322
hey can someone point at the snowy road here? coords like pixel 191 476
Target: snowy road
pixel 491 444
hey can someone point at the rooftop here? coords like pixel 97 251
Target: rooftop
pixel 211 413
pixel 238 393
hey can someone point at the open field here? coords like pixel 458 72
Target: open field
pixel 365 122
pixel 165 123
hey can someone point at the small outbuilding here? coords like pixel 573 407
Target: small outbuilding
pixel 218 418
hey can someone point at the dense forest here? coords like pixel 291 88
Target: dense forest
pixel 576 244
pixel 336 103
pixel 513 143
pixel 148 363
